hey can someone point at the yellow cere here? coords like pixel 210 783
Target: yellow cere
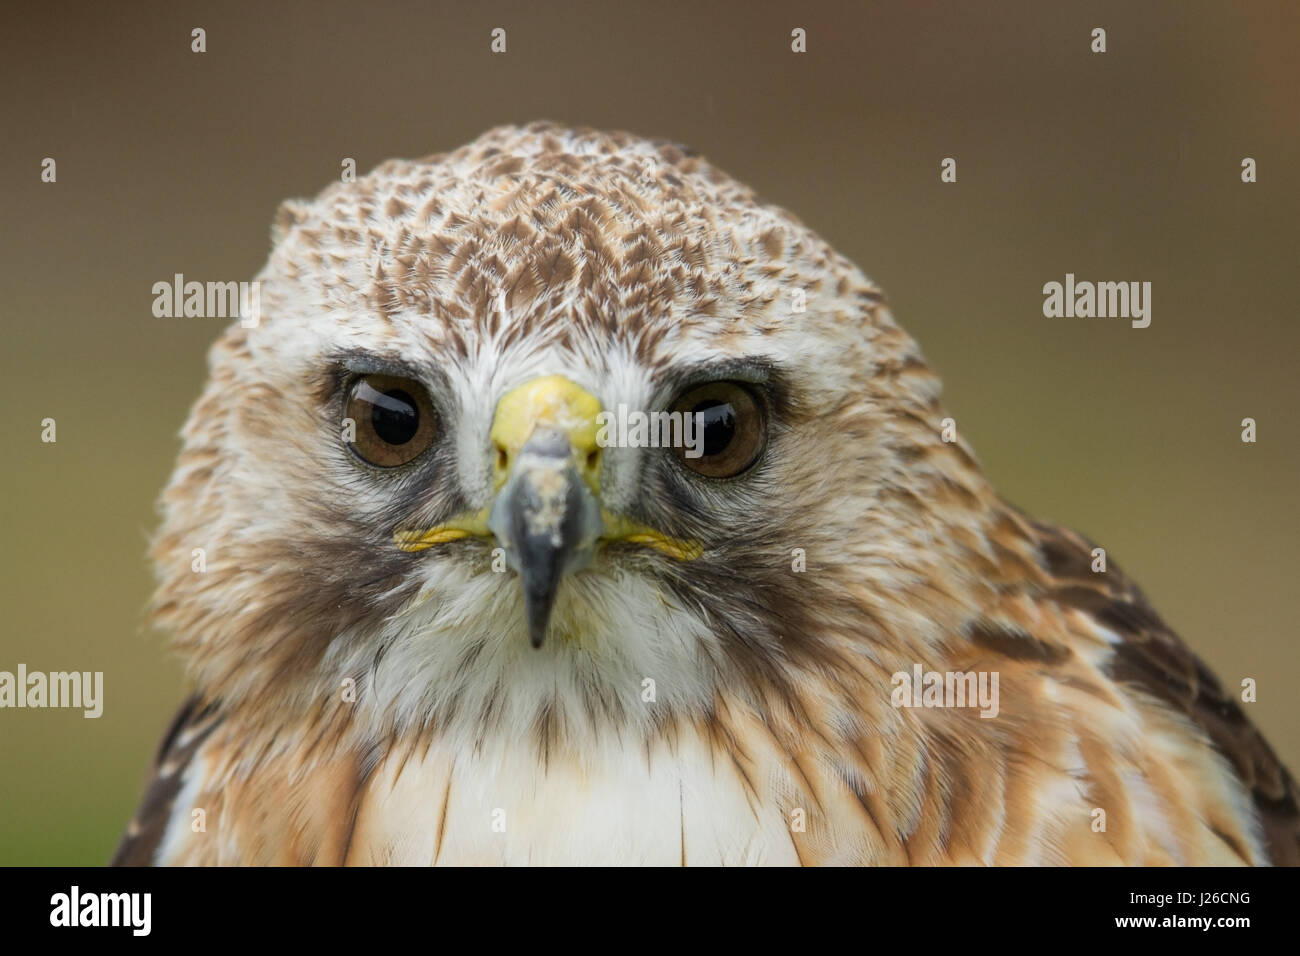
pixel 548 402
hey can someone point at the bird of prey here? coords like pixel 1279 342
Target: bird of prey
pixel 444 618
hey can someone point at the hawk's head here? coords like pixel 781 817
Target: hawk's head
pixel 400 477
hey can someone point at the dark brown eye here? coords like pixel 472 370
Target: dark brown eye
pixel 392 420
pixel 729 429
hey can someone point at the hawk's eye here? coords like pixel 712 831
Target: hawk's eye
pixel 392 417
pixel 728 429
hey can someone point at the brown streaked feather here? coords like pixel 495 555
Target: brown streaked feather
pixel 186 734
pixel 1152 658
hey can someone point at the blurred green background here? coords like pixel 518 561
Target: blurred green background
pixel 1120 166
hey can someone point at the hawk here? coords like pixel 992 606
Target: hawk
pixel 444 619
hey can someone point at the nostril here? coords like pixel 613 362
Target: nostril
pixel 593 459
pixel 503 459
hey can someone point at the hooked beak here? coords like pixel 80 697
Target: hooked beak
pixel 547 515
pixel 548 522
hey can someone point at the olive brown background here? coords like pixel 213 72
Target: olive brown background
pixel 1116 166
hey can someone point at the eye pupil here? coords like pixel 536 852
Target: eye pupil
pixel 719 425
pixel 395 417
